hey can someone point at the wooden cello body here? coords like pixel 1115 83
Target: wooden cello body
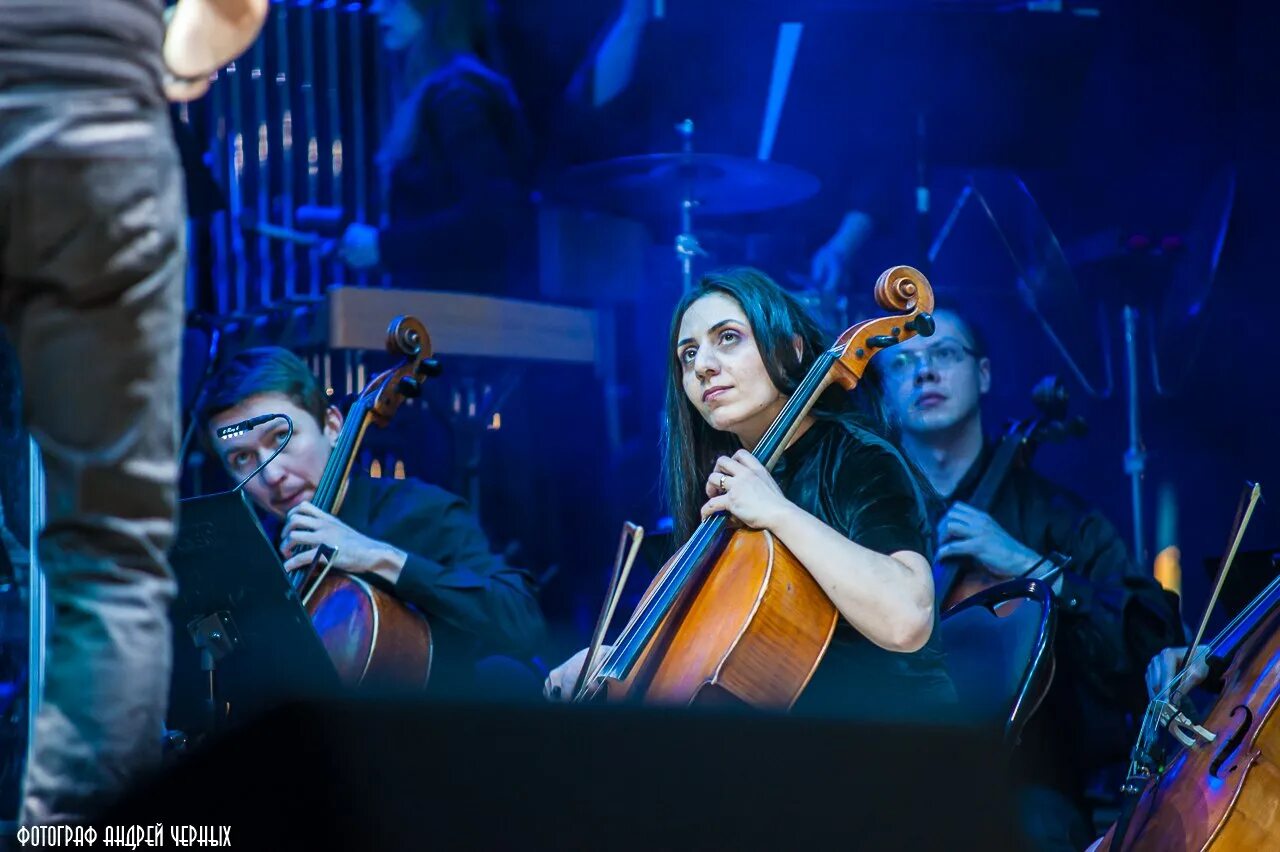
pixel 373 639
pixel 1015 448
pixel 1223 795
pixel 752 633
pixel 734 617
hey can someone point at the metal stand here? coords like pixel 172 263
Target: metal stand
pixel 1135 458
pixel 40 608
pixel 922 199
pixel 216 637
pixel 687 245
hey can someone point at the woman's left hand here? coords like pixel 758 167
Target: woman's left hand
pixel 741 486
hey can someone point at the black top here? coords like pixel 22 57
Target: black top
pixel 858 484
pixel 100 44
pixel 1112 619
pixel 476 603
pixel 461 217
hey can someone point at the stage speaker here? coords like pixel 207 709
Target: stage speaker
pixel 415 775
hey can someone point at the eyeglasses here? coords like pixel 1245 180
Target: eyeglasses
pixel 946 353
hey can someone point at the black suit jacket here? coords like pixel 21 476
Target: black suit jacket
pixel 476 603
pixel 1112 618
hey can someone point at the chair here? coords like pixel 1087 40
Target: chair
pixel 1002 662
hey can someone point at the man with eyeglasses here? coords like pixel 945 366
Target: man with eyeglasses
pixel 1111 618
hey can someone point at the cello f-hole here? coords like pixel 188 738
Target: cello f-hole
pixel 1237 738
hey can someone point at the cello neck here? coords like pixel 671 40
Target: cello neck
pixel 333 480
pixel 900 289
pixel 710 537
pixel 1242 626
pixel 778 436
pixel 993 477
pixel 330 489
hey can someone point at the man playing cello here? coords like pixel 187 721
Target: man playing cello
pixel 1112 617
pixel 416 540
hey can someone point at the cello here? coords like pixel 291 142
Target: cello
pixel 734 617
pixel 1015 448
pixel 373 639
pixel 1221 790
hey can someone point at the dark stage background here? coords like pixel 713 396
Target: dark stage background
pixel 1117 116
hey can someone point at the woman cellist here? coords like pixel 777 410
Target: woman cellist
pixel 841 498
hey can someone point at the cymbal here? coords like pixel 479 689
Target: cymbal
pixel 718 184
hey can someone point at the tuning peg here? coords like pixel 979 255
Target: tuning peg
pixel 429 368
pixel 923 324
pixel 1051 396
pixel 881 341
pixel 410 387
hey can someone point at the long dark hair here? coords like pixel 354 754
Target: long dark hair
pixel 690 445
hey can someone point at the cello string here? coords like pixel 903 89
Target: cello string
pixel 1262 603
pixel 1152 718
pixel 650 617
pixel 646 620
pixel 640 629
pixel 321 497
pixel 621 569
pixel 1241 525
pixel 326 488
pixel 1259 606
pixel 767 445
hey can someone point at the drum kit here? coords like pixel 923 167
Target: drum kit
pixel 683 185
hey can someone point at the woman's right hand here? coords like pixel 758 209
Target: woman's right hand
pixel 559 684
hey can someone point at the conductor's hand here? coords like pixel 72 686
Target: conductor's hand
pixel 559 684
pixel 182 91
pixel 359 246
pixel 202 36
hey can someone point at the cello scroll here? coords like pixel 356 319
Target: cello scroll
pixel 408 337
pixel 903 290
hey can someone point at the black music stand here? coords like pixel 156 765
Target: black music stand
pixel 242 642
